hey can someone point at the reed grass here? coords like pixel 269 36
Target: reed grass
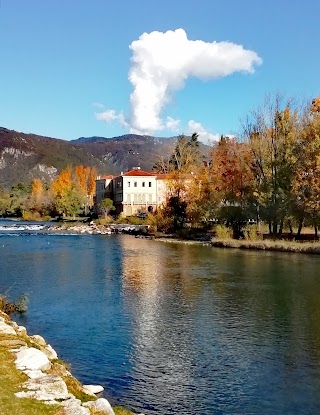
pixel 269 245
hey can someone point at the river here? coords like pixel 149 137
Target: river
pixel 170 328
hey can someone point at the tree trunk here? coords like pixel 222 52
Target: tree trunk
pixel 270 228
pixel 290 227
pixel 274 228
pixel 281 228
pixel 299 229
pixel 316 231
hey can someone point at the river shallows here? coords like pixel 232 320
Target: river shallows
pixel 172 328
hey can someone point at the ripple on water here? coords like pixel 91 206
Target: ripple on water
pixel 175 329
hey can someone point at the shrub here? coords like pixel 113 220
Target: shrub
pixel 104 221
pixel 9 307
pixel 251 233
pixel 131 220
pixel 163 221
pixel 223 232
pixel 29 215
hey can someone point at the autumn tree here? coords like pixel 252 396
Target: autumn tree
pixel 271 133
pixel 185 156
pixel 81 174
pixel 306 180
pixel 68 198
pixel 39 203
pixel 232 181
pixel 201 196
pixel 85 177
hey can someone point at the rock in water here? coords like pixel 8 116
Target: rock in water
pixel 93 388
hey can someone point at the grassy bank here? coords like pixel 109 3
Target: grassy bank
pixel 10 382
pixel 269 245
pixel 12 379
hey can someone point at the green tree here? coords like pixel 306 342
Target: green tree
pixel 106 206
pixel 4 202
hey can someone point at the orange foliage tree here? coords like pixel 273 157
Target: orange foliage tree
pixel 232 181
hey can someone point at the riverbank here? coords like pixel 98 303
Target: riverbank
pixel 93 228
pixel 33 381
pixel 258 245
pixel 269 245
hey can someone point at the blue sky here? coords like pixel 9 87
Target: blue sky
pixel 65 62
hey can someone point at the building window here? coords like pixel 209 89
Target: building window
pixel 149 184
pixel 150 198
pixel 135 184
pixel 129 198
pixel 143 184
pixel 118 184
pixel 128 184
pixel 143 198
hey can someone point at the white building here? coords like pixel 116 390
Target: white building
pixel 133 192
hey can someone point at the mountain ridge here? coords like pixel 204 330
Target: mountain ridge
pixel 25 156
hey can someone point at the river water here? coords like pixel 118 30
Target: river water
pixel 171 328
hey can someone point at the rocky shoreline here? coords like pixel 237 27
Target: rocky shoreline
pixel 48 379
pixel 94 229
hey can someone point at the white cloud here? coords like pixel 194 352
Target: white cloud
pixel 110 115
pixel 204 136
pixel 172 124
pixel 98 105
pixel 161 62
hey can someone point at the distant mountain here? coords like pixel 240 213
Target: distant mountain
pixel 127 151
pixel 27 156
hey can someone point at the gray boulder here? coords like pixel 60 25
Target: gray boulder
pixel 39 340
pixel 73 407
pixel 31 359
pixel 101 405
pixel 50 352
pixel 6 328
pixel 47 388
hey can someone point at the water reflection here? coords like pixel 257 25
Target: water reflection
pixel 216 325
pixel 175 329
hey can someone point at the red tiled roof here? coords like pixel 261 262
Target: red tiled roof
pixel 137 172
